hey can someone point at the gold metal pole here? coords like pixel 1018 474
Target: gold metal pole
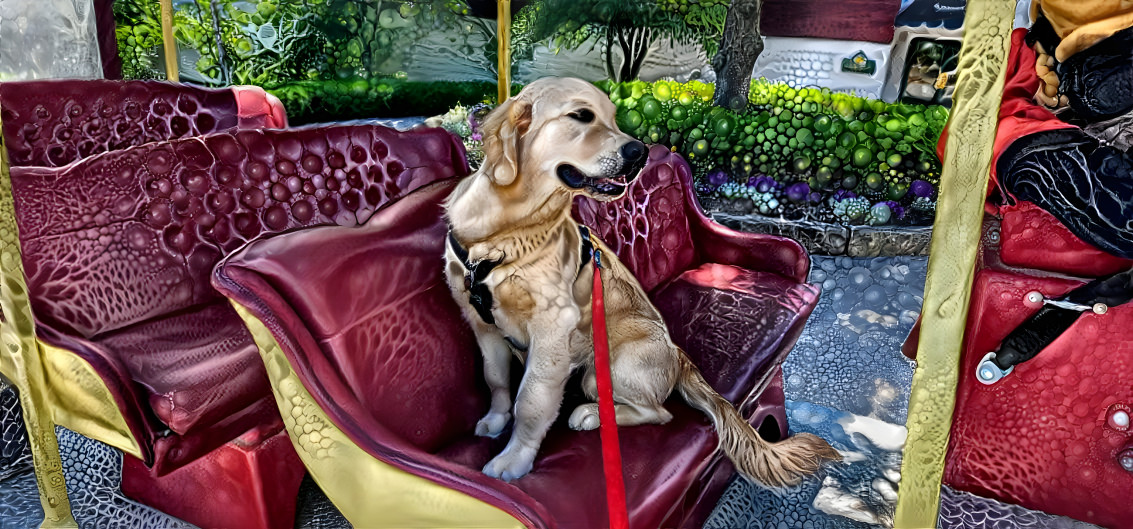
pixel 952 257
pixel 20 362
pixel 170 44
pixel 503 32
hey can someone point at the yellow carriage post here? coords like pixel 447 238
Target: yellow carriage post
pixel 22 362
pixel 952 257
pixel 503 37
pixel 169 43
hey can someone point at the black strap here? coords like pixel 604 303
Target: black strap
pixel 461 251
pixel 1040 330
pixel 479 295
pixel 1034 335
pixel 587 247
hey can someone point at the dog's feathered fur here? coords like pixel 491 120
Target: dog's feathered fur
pixel 553 141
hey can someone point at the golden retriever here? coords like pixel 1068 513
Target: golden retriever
pixel 516 264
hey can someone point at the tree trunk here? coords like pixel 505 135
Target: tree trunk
pixel 634 43
pixel 739 48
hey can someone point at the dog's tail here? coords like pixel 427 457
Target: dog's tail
pixel 779 464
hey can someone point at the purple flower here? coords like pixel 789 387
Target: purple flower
pixel 843 194
pixel 921 188
pixel 472 111
pixel 798 192
pixel 763 183
pixel 717 178
pixel 476 136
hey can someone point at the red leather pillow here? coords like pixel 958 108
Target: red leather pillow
pixel 367 321
pixel 1033 238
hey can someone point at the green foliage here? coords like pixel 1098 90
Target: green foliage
pixel 319 100
pixel 838 144
pixel 572 24
pixel 273 42
pixel 138 33
pixel 270 42
pixel 192 28
pixel 704 17
pixel 327 59
pixel 375 37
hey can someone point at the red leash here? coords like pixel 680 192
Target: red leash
pixel 608 428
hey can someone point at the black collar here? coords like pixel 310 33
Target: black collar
pixel 479 295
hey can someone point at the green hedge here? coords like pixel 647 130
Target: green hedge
pixel 313 101
pixel 794 146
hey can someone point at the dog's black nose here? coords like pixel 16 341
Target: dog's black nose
pixel 633 151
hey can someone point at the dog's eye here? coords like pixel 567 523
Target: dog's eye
pixel 584 115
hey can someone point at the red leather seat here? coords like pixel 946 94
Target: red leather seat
pixel 1041 437
pixel 366 321
pixel 118 249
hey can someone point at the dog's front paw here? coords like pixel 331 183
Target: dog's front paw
pixel 492 424
pixel 511 464
pixel 585 417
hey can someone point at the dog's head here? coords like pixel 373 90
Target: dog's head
pixel 559 136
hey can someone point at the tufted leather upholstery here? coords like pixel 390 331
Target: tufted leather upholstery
pixel 367 322
pixel 659 229
pixel 52 123
pixel 118 249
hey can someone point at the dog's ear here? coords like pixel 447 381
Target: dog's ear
pixel 503 130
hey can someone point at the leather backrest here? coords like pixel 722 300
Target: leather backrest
pixel 648 227
pixel 134 234
pixel 51 123
pixel 1030 237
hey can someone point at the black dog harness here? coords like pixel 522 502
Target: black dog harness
pixel 479 295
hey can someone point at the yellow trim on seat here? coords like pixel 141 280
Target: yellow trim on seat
pixel 369 492
pixel 952 257
pixel 81 402
pixel 22 363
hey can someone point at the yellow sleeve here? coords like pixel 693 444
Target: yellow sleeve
pixel 1083 23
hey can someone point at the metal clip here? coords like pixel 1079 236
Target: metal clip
pixel 1096 308
pixel 988 373
pixel 1068 305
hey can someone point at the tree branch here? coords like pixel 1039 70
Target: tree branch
pixel 610 72
pixel 627 57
